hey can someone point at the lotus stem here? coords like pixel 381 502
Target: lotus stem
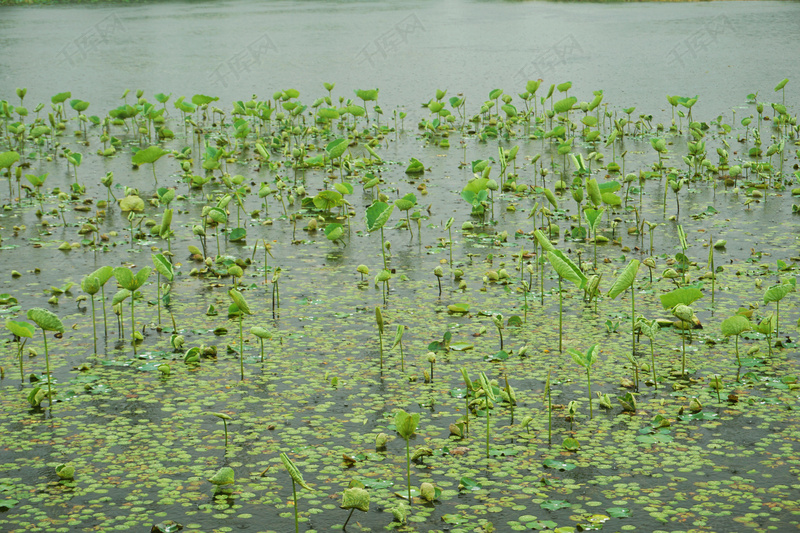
pixel 94 327
pixel 47 363
pixel 653 364
pixel 408 470
pixel 296 515
pixel 241 345
pixel 488 408
pixel 589 382
pixel 348 518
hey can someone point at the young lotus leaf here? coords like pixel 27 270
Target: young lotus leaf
pixel 565 268
pixel 163 266
pixel 128 280
pixel 45 319
pixel 406 424
pixel 202 99
pixel 90 284
pixel 290 467
pixel 327 200
pixel 20 328
pixel 240 302
pixel 261 333
pixel 562 106
pixel 593 217
pixel 131 203
pixel 624 280
pixel 551 197
pixel 735 325
pixel 593 189
pixel 166 222
pixel 355 498
pixel 406 202
pixel 224 476
pixel 544 242
pixel 336 148
pixel 8 158
pixel 377 215
pixel 343 188
pixel 334 231
pixel 683 312
pixel 398 336
pixel 148 155
pixel 777 292
pixel 684 295
pixel 415 166
pixel 120 296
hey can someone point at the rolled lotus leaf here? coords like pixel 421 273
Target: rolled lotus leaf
pixel 294 472
pixel 240 302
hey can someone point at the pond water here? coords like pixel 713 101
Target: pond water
pixel 636 53
pixel 144 443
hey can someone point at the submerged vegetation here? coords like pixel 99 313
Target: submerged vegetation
pixel 542 189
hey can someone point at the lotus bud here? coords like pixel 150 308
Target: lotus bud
pixel 381 440
pixel 458 274
pixel 438 272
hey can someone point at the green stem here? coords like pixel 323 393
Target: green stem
pixel 241 346
pixel 133 323
pixel 560 308
pixel 653 364
pixel 549 412
pixel 589 381
pixel 633 324
pixel 487 428
pixel 158 298
pixel 383 252
pixel 380 343
pixel 450 233
pixel 19 356
pixel 683 354
pixel 737 351
pixel 47 363
pixel 296 515
pixel 408 470
pixel 94 327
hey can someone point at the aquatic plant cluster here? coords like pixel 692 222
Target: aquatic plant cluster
pixel 508 316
